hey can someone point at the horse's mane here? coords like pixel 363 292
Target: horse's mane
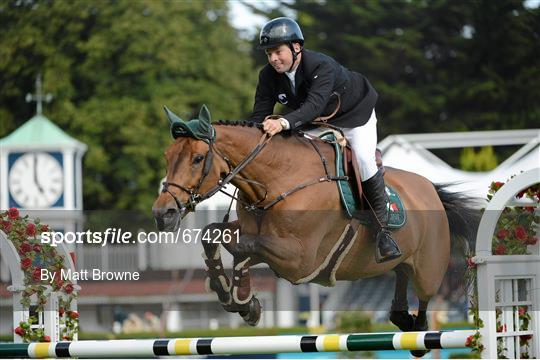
pixel 239 123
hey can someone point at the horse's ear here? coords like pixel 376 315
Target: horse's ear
pixel 204 115
pixel 172 116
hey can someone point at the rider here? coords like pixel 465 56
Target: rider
pixel 314 85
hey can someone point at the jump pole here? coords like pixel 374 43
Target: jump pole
pixel 239 345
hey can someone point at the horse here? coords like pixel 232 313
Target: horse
pixel 291 218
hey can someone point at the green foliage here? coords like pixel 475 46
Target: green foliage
pixel 111 66
pixel 483 160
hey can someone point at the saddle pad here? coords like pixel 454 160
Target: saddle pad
pixel 396 211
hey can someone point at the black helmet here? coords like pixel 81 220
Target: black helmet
pixel 279 31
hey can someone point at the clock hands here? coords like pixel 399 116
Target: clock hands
pixel 35 175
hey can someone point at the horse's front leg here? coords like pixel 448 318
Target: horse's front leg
pixel 282 254
pixel 217 279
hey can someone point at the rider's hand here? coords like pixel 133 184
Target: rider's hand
pixel 272 126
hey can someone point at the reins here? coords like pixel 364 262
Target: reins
pixel 195 197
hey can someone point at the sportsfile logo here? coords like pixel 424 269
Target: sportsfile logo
pixel 119 236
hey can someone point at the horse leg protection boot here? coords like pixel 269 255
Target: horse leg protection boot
pixel 375 193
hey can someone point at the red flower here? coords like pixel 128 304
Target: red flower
pixel 46 338
pixel 13 213
pixel 529 209
pixel 36 275
pixel 470 263
pixel 67 338
pixel 532 240
pixel 502 234
pixel 525 337
pixel 6 225
pixel 31 229
pixel 521 193
pixel 469 341
pixel 59 282
pixel 61 312
pixel 73 314
pixel 522 310
pixel 500 250
pixel 44 228
pixel 520 232
pixel 36 248
pixel 25 263
pixel 25 247
pixel 69 288
pixel 19 331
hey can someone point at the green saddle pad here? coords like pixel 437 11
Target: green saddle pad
pixel 397 215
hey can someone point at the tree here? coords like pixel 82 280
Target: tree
pixel 437 65
pixel 112 65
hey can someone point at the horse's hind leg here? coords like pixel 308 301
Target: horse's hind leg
pixel 399 313
pixel 217 279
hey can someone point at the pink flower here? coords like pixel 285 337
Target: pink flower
pixel 522 310
pixel 500 250
pixel 31 229
pixel 520 232
pixel 6 225
pixel 19 331
pixel 25 263
pixel 36 275
pixel 73 314
pixel 25 248
pixel 470 263
pixel 469 341
pixel 36 248
pixel 13 213
pixel 502 234
pixel 532 240
pixel 46 338
pixel 69 288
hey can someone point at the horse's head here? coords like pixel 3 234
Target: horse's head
pixel 192 169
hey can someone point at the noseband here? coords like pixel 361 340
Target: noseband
pixel 195 197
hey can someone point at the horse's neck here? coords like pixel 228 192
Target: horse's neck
pixel 267 168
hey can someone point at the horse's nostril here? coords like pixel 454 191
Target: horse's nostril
pixel 161 212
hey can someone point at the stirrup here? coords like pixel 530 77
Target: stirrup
pixel 378 256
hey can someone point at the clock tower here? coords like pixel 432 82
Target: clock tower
pixel 41 167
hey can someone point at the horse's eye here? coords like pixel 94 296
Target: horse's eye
pixel 198 159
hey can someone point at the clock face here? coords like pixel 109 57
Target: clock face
pixel 36 180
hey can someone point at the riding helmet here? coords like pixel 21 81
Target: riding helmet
pixel 281 30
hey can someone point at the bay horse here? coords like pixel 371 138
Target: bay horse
pixel 296 234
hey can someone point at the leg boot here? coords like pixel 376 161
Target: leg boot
pixel 375 193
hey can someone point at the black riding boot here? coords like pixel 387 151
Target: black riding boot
pixel 375 193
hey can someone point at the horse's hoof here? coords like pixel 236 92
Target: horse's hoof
pixel 253 313
pixel 419 353
pixel 403 320
pixel 420 325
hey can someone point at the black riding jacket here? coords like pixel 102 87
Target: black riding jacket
pixel 318 79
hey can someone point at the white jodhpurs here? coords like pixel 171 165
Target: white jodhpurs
pixel 363 141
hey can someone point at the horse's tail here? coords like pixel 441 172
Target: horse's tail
pixel 463 215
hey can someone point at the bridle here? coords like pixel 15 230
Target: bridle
pixel 195 197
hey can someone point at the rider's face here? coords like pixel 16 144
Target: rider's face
pixel 281 57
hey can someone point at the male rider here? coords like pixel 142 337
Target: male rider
pixel 315 85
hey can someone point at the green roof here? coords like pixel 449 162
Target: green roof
pixel 39 131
